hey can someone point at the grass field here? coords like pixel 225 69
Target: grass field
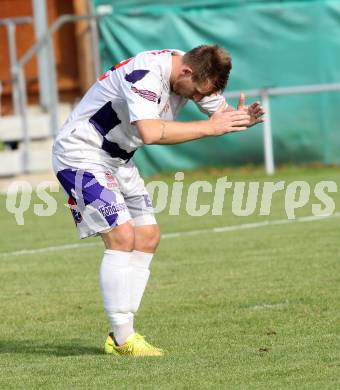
pixel 254 308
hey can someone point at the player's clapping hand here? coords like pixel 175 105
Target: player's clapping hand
pixel 223 121
pixel 255 110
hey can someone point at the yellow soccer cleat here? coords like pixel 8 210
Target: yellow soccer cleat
pixel 135 345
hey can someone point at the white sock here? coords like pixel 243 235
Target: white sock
pixel 115 284
pixel 122 326
pixel 123 278
pixel 139 262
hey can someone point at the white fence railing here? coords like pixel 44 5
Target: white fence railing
pixel 18 75
pixel 265 95
pixel 10 24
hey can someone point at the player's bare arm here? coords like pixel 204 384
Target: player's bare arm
pixel 157 131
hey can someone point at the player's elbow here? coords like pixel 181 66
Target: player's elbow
pixel 147 139
pixel 147 130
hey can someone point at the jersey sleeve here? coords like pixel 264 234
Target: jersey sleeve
pixel 209 104
pixel 141 87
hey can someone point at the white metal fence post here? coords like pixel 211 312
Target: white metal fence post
pixel 19 72
pixel 13 59
pixel 44 74
pixel 94 41
pixel 267 135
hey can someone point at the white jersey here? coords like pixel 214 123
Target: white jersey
pixel 100 129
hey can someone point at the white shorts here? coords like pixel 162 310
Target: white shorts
pixel 101 198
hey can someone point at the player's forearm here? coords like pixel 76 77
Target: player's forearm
pixel 160 132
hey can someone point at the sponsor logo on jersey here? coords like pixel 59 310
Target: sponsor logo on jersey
pixel 145 94
pixel 112 209
pixel 111 181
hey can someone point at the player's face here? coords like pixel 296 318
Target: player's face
pixel 184 86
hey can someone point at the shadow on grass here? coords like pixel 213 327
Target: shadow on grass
pixel 49 349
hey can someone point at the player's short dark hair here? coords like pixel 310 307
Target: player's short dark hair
pixel 209 62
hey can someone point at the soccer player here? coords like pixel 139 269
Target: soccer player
pixel 132 104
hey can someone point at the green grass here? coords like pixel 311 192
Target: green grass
pixel 251 309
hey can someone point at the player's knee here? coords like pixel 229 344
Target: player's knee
pixel 157 236
pixel 154 237
pixel 147 238
pixel 121 238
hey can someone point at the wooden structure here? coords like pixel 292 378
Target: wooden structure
pixel 72 47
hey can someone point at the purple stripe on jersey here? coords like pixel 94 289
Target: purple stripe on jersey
pixel 115 150
pixel 105 119
pixel 136 75
pixel 83 185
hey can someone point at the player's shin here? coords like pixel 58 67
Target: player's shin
pixel 115 284
pixel 140 263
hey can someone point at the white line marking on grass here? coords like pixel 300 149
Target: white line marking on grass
pixel 47 249
pixel 244 226
pixel 223 229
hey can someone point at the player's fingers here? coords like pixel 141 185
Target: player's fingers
pixel 240 128
pixel 240 123
pixel 256 109
pixel 236 112
pixel 239 115
pixel 260 113
pixel 256 104
pixel 257 114
pixel 260 120
pixel 242 101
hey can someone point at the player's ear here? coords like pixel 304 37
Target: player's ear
pixel 186 71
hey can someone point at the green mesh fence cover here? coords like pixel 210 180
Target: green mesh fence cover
pixel 281 43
